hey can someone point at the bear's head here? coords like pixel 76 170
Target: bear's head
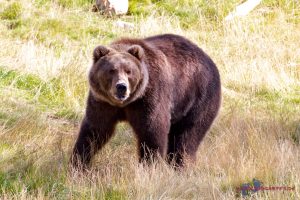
pixel 118 77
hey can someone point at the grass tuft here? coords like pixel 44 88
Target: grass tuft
pixel 12 12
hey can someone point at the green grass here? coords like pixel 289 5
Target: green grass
pixel 67 4
pixel 46 51
pixel 11 12
pixel 14 182
pixel 32 86
pixel 44 95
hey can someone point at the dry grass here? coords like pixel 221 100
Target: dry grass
pixel 256 135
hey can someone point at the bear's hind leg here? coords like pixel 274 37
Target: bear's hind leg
pixel 185 137
pixel 152 131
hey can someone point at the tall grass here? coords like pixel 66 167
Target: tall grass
pixel 44 56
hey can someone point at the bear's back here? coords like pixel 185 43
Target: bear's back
pixel 194 73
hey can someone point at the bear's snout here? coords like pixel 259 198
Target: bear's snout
pixel 121 89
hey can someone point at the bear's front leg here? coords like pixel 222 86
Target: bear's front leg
pixel 151 128
pixel 96 129
pixel 89 141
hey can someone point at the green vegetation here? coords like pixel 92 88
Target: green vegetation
pixel 45 54
pixel 12 11
pixel 38 92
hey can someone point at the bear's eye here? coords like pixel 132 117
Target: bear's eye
pixel 112 71
pixel 128 71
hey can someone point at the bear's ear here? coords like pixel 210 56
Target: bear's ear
pixel 137 51
pixel 99 52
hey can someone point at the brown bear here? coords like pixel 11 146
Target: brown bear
pixel 164 86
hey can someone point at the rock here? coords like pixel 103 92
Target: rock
pixel 112 7
pixel 243 9
pixel 125 25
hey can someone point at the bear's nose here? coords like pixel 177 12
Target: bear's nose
pixel 121 88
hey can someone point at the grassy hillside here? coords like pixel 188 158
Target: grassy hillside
pixel 46 50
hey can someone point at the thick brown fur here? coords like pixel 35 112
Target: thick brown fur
pixel 173 100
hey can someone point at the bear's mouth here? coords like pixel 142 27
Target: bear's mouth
pixel 121 97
